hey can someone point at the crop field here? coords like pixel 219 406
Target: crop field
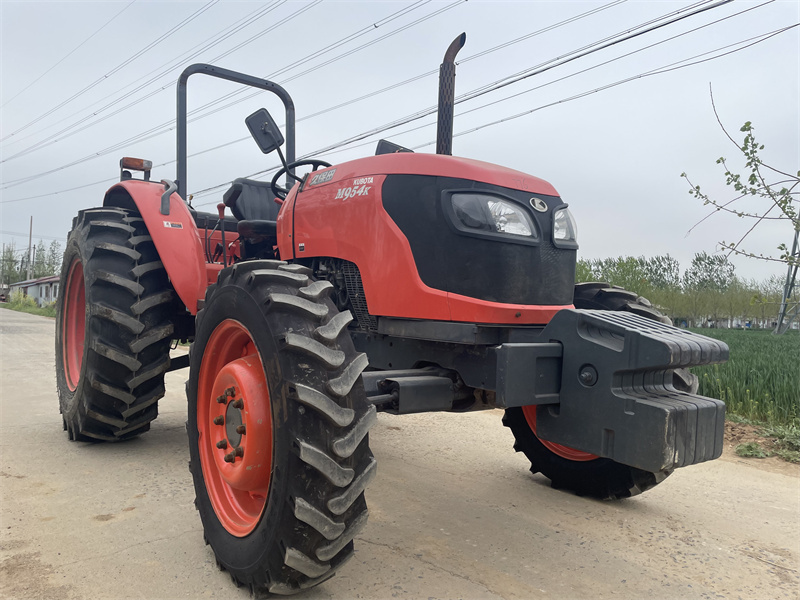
pixel 761 381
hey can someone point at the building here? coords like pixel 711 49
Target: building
pixel 43 290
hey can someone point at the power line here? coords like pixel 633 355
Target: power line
pixel 170 65
pixel 40 237
pixel 620 57
pixel 116 69
pixel 336 148
pixel 248 20
pixel 52 139
pixel 72 189
pixel 486 88
pixel 70 53
pixel 550 64
pixel 168 125
pixel 531 72
pixel 503 45
pixel 658 71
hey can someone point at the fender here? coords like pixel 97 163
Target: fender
pixel 175 235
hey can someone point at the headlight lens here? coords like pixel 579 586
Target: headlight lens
pixel 564 228
pixel 487 213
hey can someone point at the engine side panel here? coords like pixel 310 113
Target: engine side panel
pixel 342 215
pixel 347 220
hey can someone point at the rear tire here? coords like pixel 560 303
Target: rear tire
pixel 113 327
pixel 281 501
pixel 574 470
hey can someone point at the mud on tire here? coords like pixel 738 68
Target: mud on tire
pixel 113 327
pixel 580 472
pixel 292 526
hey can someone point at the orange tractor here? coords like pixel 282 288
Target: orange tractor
pixel 396 283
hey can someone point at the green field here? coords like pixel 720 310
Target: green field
pixel 761 381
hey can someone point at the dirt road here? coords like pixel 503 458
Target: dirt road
pixel 454 513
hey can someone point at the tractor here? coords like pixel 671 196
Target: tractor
pixel 396 283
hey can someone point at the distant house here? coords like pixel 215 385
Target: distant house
pixel 43 290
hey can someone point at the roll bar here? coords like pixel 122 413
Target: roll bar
pixel 229 75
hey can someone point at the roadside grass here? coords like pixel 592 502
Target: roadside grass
pixel 751 450
pixel 761 381
pixel 26 304
pixel 778 440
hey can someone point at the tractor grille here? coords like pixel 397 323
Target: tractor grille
pixel 355 292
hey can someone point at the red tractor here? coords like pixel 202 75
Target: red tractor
pixel 398 283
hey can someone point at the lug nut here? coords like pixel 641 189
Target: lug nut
pixel 222 399
pixel 238 404
pixel 220 420
pixel 238 451
pixel 230 457
pixel 241 430
pixel 222 444
pixel 231 391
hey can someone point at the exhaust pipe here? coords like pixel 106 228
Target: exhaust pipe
pixel 447 92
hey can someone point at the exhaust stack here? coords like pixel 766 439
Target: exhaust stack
pixel 447 92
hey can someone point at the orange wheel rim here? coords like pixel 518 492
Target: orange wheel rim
pixel 73 333
pixel 234 423
pixel 562 451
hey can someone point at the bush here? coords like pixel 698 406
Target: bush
pixel 19 301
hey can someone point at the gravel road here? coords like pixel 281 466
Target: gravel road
pixel 454 513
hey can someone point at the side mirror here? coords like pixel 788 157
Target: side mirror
pixel 264 131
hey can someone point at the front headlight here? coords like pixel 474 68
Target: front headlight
pixel 564 228
pixel 488 213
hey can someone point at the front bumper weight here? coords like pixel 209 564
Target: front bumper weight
pixel 615 393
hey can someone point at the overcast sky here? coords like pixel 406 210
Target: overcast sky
pixel 79 78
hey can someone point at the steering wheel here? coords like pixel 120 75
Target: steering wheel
pixel 282 192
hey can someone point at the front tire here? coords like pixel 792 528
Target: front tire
pixel 113 327
pixel 574 470
pixel 278 423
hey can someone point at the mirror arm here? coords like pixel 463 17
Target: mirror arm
pixel 289 173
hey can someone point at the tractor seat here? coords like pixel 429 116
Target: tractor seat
pixel 252 203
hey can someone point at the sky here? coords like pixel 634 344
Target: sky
pixel 81 81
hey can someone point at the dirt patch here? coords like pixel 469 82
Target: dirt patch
pixel 26 576
pixel 741 433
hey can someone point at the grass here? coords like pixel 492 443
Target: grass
pixel 761 381
pixel 751 450
pixel 787 441
pixel 780 440
pixel 27 304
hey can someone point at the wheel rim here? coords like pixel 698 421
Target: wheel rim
pixel 562 451
pixel 74 324
pixel 234 423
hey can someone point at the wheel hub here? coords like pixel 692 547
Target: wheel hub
pixel 234 421
pixel 244 426
pixel 74 324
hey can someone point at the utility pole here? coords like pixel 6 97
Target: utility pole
pixel 30 256
pixel 789 309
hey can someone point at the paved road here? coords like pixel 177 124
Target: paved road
pixel 453 513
